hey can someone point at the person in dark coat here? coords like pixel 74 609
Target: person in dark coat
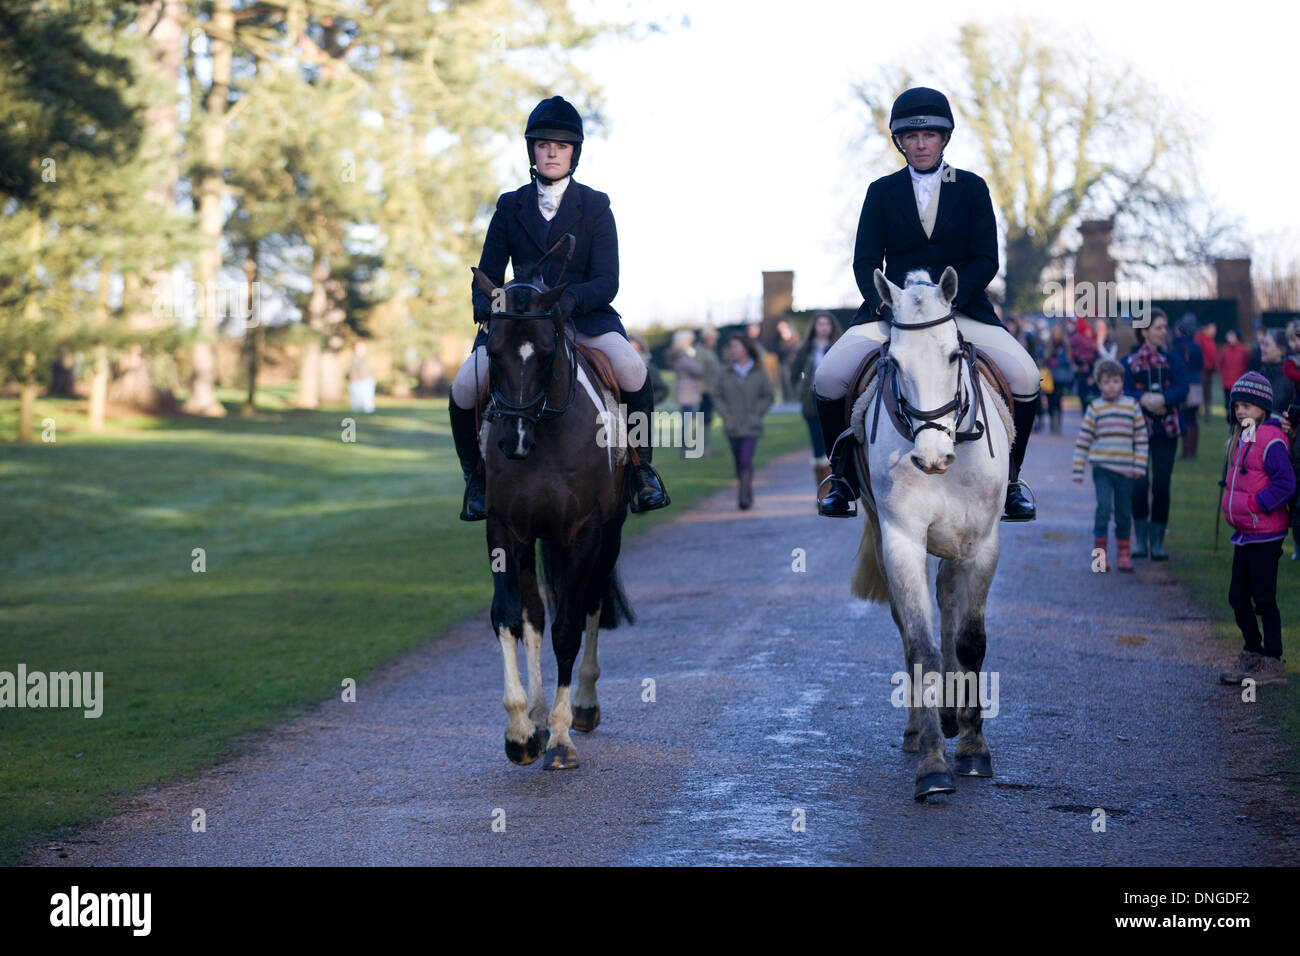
pixel 1154 374
pixel 823 332
pixel 1185 344
pixel 527 222
pixel 928 216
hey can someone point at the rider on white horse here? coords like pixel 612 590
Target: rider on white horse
pixel 927 215
pixel 527 222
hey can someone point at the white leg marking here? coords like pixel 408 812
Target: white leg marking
pixel 536 693
pixel 589 669
pixel 561 719
pixel 518 727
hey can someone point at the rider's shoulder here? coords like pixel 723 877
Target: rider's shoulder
pixel 593 199
pixel 509 200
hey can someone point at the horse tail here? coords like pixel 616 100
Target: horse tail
pixel 869 580
pixel 615 609
pixel 554 567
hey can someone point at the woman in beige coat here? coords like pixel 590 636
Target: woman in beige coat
pixel 742 395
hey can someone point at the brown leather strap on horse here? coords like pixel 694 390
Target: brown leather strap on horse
pixel 604 370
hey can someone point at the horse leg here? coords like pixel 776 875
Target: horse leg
pixel 909 599
pixel 951 607
pixel 534 623
pixel 586 706
pixel 523 741
pixel 566 637
pixel 972 757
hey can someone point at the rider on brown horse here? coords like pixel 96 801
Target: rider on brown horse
pixel 527 222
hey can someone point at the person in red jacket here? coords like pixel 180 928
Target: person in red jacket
pixel 1234 359
pixel 1205 340
pixel 1258 481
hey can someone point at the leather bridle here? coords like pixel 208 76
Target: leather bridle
pixel 909 420
pixel 537 408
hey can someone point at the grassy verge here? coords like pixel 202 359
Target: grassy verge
pixel 323 560
pixel 1206 572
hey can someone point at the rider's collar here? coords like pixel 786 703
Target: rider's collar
pixel 917 173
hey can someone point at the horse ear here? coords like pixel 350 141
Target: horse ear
pixel 948 285
pixel 551 268
pixel 551 296
pixel 885 289
pixel 482 282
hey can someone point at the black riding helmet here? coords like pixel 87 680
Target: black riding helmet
pixel 556 120
pixel 920 108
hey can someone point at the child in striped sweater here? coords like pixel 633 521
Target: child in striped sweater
pixel 1113 440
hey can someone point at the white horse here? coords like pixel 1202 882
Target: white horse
pixel 938 492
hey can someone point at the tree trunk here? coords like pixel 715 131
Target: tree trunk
pixel 309 374
pixel 160 20
pixel 1026 260
pixel 309 378
pixel 207 273
pixel 32 316
pixel 253 334
pixel 99 383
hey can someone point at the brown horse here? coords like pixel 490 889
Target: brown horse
pixel 554 479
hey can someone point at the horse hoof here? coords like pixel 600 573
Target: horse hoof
pixel 912 742
pixel 525 753
pixel 586 719
pixel 561 758
pixel 931 784
pixel 948 721
pixel 974 765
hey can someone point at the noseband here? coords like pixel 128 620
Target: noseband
pixel 910 420
pixel 536 409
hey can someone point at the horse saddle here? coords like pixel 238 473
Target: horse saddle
pixel 599 364
pixel 867 374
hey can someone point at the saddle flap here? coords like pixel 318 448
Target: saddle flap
pixel 601 365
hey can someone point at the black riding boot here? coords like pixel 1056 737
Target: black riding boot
pixel 841 499
pixel 464 432
pixel 645 488
pixel 1019 507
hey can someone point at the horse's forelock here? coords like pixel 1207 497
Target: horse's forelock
pixel 917 276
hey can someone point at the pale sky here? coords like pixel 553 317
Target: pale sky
pixel 728 149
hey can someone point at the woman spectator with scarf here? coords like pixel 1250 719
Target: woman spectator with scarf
pixel 1158 378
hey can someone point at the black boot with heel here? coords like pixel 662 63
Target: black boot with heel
pixel 645 488
pixel 841 498
pixel 464 432
pixel 1019 506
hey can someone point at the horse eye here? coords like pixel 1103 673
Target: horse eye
pixel 955 356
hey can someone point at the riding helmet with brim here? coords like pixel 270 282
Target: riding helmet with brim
pixel 553 119
pixel 920 108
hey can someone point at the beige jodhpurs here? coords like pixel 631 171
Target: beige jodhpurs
pixel 628 366
pixel 839 364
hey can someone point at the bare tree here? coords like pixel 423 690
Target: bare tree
pixel 1064 136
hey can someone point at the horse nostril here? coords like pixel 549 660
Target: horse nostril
pixel 916 460
pixel 949 459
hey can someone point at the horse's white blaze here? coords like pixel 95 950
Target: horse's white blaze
pixel 536 692
pixel 589 669
pixel 525 351
pixel 519 447
pixel 561 719
pixel 518 727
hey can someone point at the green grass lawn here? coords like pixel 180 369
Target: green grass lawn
pixel 323 560
pixel 1193 515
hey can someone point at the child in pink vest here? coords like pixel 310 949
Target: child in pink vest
pixel 1258 480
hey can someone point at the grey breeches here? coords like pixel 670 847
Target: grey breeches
pixel 628 366
pixel 839 364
